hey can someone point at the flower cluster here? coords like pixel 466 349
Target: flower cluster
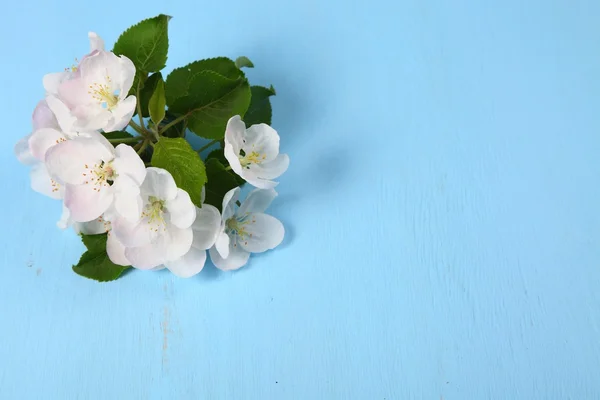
pixel 145 198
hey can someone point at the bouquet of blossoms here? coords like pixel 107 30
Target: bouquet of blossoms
pixel 144 198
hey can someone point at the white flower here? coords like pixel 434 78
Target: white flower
pixel 253 153
pixel 164 231
pixel 245 230
pixel 96 174
pixel 98 96
pixel 53 80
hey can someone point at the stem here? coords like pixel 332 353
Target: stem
pixel 228 168
pixel 125 140
pixel 207 145
pixel 139 106
pixel 174 122
pixel 143 147
pixel 137 128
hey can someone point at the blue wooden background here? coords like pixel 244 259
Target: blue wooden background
pixel 442 211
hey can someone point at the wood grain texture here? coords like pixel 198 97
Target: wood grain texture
pixel 442 212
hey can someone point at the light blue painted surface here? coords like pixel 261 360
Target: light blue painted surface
pixel 442 207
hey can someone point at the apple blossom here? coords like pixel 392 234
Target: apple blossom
pixel 163 233
pixel 245 230
pixel 96 174
pixel 98 96
pixel 253 153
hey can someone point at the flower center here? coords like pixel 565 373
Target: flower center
pixel 55 185
pixel 154 213
pixel 254 157
pixel 100 175
pixel 102 93
pixel 236 228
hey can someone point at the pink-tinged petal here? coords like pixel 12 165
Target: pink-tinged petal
pixel 188 265
pixel 127 161
pixel 257 201
pixel 96 42
pixel 52 81
pixel 75 92
pixel 159 183
pixel 121 114
pixel 229 201
pixel 64 118
pixel 42 183
pixel 181 210
pixel 116 250
pixel 73 161
pixel 237 258
pixel 232 158
pixel 206 227
pixel 43 117
pixel 262 139
pixel 85 203
pixel 272 169
pixel 234 133
pixel 42 140
pixel 222 244
pixel 264 233
pixel 23 153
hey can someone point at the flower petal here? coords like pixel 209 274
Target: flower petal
pixel 232 158
pixel 159 183
pixel 229 201
pixel 128 202
pixel 70 160
pixel 52 81
pixel 127 161
pixel 148 256
pixel 134 234
pixel 42 183
pixel 42 140
pixel 121 114
pixel 96 42
pixel 116 250
pixel 262 139
pixel 257 201
pixel 64 118
pixel 238 257
pixel 266 233
pixel 43 117
pixel 94 227
pixel 181 210
pixel 257 182
pixel 65 219
pixel 234 133
pixel 85 203
pixel 222 244
pixel 188 265
pixel 23 153
pixel 206 227
pixel 272 169
pixel 127 69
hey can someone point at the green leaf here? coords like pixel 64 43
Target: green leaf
pixel 157 103
pixel 260 111
pixel 220 156
pixel 94 263
pixel 180 79
pixel 177 156
pixel 211 101
pixel 147 92
pixel 220 181
pixel 117 135
pixel 146 44
pixel 242 62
